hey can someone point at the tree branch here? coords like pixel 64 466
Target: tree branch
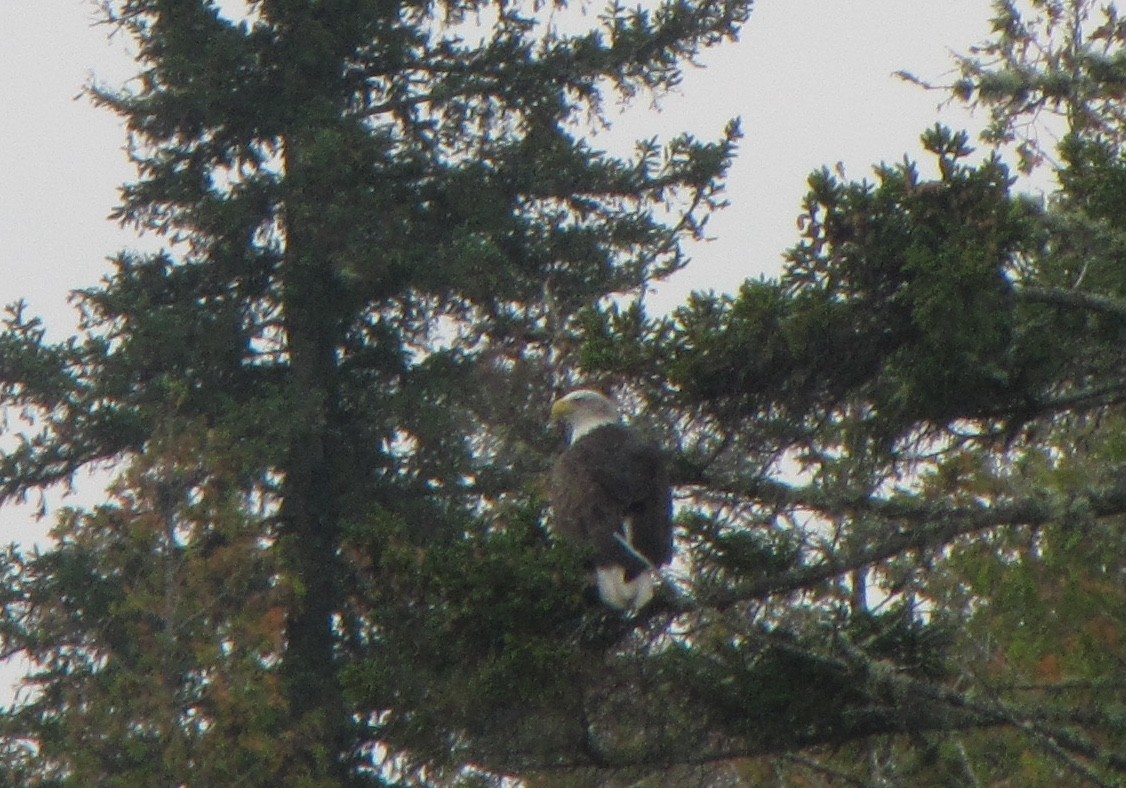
pixel 1058 742
pixel 915 525
pixel 1074 299
pixel 820 768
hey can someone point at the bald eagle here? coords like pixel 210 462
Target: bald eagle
pixel 610 494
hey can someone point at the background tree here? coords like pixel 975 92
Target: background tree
pixel 904 454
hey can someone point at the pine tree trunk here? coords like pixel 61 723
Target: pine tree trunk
pixel 310 511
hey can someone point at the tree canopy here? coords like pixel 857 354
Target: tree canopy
pixel 389 244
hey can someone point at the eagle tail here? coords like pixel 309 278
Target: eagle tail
pixel 628 596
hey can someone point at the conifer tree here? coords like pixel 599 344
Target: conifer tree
pixel 381 221
pixel 899 464
pixel 904 454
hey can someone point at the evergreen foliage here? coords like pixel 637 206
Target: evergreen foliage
pixel 389 244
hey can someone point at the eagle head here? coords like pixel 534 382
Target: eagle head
pixel 584 410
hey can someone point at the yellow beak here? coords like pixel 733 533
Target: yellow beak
pixel 561 408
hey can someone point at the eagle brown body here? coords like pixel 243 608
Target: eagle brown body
pixel 610 493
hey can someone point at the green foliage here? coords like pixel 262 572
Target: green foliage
pixel 324 400
pixel 322 559
pixel 152 643
pixel 904 458
pixel 773 693
pixel 899 293
pixel 1095 177
pixel 483 634
pixel 1048 63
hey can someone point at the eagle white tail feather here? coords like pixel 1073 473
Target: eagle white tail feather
pixel 621 594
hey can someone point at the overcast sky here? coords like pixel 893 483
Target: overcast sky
pixel 812 81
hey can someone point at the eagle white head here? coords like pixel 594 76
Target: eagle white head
pixel 584 410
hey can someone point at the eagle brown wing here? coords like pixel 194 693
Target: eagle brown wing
pixel 606 479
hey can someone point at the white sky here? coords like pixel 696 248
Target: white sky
pixel 813 83
pixel 811 79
